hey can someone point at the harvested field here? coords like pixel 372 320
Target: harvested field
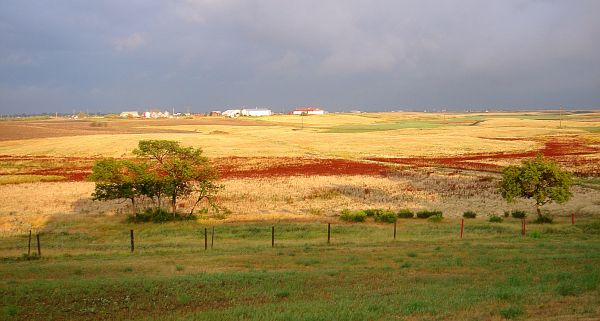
pixel 572 153
pixel 297 198
pixel 18 130
pixel 269 167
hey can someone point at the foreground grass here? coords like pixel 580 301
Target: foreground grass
pixel 427 273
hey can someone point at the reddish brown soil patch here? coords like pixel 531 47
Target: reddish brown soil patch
pixel 79 168
pixel 71 174
pixel 70 168
pixel 234 167
pixel 569 152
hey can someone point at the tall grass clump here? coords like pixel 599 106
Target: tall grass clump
pixel 386 217
pixel 518 214
pixel 469 214
pixel 511 312
pixel 436 218
pixel 428 213
pixel 496 219
pixel 372 212
pixel 353 216
pixel 405 213
pixel 546 218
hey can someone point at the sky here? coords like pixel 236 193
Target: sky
pixel 201 55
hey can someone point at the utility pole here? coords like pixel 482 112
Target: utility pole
pixel 560 118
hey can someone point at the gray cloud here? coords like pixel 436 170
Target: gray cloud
pixel 131 42
pixel 338 54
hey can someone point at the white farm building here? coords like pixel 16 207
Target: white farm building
pixel 232 113
pixel 130 114
pixel 256 112
pixel 308 111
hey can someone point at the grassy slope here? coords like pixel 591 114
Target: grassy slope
pixel 427 273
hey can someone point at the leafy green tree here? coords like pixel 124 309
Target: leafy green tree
pixel 180 171
pixel 538 179
pixel 162 169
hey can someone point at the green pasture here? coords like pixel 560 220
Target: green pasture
pixel 87 271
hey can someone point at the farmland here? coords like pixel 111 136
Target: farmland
pixel 297 174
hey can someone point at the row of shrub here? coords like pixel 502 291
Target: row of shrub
pixel 515 214
pixel 518 214
pixel 387 216
pixel 539 220
pixel 158 215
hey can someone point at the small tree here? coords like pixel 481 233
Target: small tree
pixel 538 179
pixel 163 168
pixel 179 171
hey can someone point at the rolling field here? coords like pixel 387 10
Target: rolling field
pixel 297 174
pixel 307 166
pixel 427 273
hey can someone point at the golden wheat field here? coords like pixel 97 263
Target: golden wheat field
pixel 306 168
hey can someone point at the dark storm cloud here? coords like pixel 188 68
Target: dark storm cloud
pixel 373 55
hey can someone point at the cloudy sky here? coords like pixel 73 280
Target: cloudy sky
pixel 113 55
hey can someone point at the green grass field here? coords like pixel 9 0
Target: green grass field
pixel 427 273
pixel 384 126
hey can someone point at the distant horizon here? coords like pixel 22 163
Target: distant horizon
pixel 276 112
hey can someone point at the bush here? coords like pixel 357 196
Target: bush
pixel 158 215
pixel 386 217
pixel 496 219
pixel 506 214
pixel 427 213
pixel 373 211
pixel 544 219
pixel 436 218
pixel 469 214
pixel 405 213
pixel 518 214
pixel 349 216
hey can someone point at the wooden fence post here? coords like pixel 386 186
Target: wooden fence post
pixel 212 237
pixel 394 230
pixel 273 236
pixel 328 232
pixel 462 227
pixel 38 244
pixel 29 246
pixel 132 242
pixel 205 239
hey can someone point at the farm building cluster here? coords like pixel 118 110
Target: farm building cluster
pixel 257 112
pixel 231 113
pixel 151 114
